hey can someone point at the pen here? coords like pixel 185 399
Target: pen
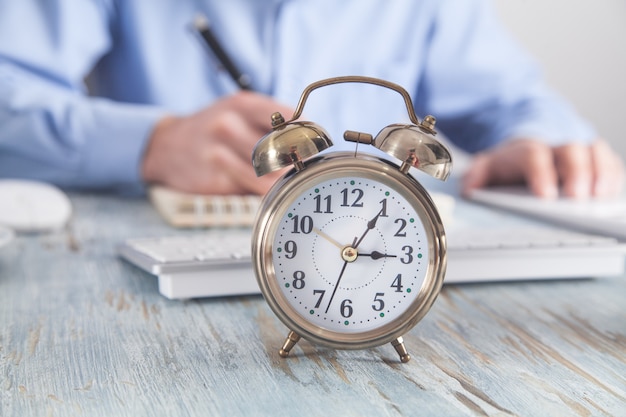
pixel 202 26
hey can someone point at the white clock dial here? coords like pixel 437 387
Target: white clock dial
pixel 350 254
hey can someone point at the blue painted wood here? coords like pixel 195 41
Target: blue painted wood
pixel 84 333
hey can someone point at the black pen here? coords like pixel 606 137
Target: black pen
pixel 202 26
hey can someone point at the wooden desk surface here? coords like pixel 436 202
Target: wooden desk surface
pixel 84 333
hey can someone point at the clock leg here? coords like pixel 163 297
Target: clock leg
pixel 290 342
pixel 398 345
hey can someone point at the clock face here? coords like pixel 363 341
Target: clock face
pixel 351 253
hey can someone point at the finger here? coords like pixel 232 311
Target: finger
pixel 241 173
pixel 500 165
pixel 242 120
pixel 516 161
pixel 477 176
pixel 574 167
pixel 232 129
pixel 258 108
pixel 209 171
pixel 536 162
pixel 608 170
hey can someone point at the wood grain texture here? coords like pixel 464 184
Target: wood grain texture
pixel 82 333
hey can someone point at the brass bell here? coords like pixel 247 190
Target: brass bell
pixel 416 146
pixel 288 144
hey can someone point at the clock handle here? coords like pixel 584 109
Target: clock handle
pixel 355 79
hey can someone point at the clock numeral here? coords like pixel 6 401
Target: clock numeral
pixel 319 300
pixel 379 304
pixel 346 308
pixel 291 249
pixel 357 201
pixel 383 211
pixel 304 225
pixel 298 280
pixel 400 232
pixel 318 204
pixel 408 252
pixel 397 283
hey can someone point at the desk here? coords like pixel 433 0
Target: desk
pixel 84 333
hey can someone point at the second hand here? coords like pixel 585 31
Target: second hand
pixel 343 268
pixel 328 238
pixel 355 243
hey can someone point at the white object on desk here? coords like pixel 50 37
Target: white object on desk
pixel 32 206
pixel 219 264
pixel 186 210
pixel 602 216
pixel 6 236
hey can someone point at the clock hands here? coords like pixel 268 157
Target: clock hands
pixel 348 255
pixel 370 225
pixel 374 255
pixel 343 268
pixel 377 255
pixel 328 238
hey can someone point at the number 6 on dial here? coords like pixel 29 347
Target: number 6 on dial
pixel 348 249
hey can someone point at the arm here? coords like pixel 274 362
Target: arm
pixel 208 152
pixel 489 97
pixel 51 130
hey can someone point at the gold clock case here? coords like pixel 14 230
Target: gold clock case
pixel 339 165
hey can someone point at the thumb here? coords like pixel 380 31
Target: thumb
pixel 477 175
pixel 516 162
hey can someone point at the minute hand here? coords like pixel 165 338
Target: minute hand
pixel 370 225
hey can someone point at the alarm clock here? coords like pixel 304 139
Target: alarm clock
pixel 348 248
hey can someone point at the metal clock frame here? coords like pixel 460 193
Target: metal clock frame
pixel 340 165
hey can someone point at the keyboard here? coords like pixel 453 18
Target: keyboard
pixel 218 262
pixel 6 235
pixel 602 216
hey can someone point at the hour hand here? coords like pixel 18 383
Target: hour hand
pixel 377 255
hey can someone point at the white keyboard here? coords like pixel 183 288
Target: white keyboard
pixel 218 263
pixel 602 216
pixel 6 235
pixel 178 253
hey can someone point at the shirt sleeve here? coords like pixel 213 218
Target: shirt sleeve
pixel 51 129
pixel 483 88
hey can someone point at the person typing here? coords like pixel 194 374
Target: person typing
pixel 116 95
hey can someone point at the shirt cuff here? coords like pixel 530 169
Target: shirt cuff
pixel 552 120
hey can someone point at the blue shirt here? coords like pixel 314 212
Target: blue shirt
pixel 143 61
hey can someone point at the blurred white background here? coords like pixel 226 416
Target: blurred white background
pixel 582 47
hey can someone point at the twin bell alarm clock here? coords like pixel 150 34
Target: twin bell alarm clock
pixel 348 248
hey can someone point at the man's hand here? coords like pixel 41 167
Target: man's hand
pixel 210 152
pixel 579 170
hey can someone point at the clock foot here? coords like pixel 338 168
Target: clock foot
pixel 398 345
pixel 290 342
